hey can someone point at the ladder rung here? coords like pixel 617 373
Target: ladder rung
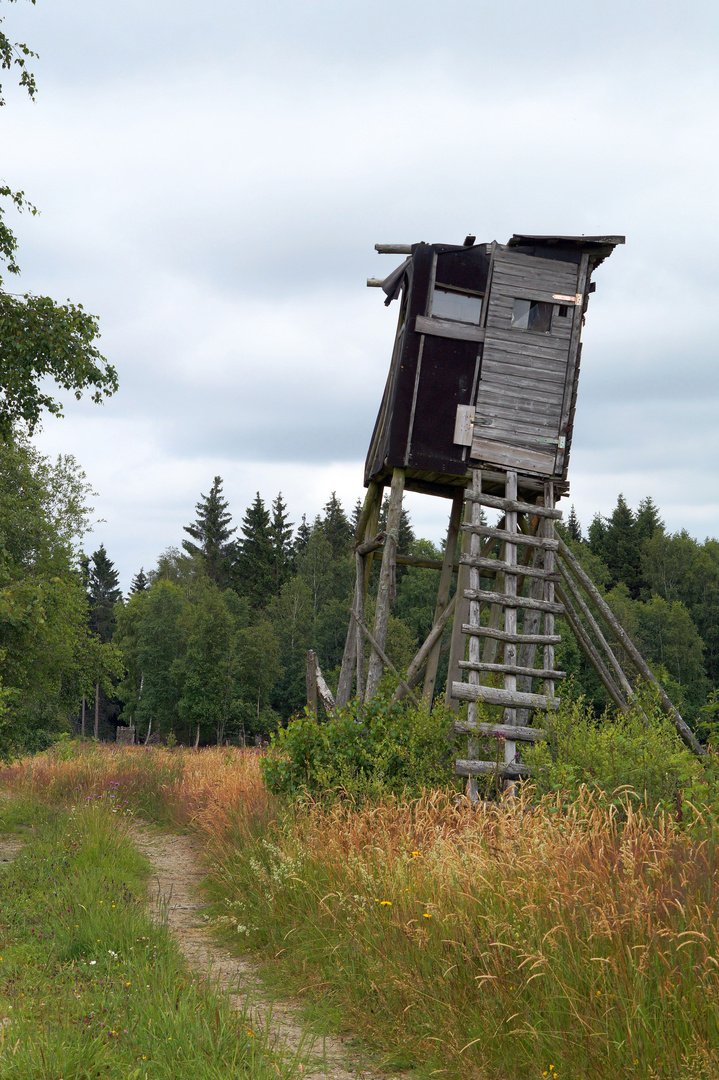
pixel 513 699
pixel 515 569
pixel 511 639
pixel 511 732
pixel 512 771
pixel 513 669
pixel 512 505
pixel 486 596
pixel 545 542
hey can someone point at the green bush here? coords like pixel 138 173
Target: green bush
pixel 363 750
pixel 640 750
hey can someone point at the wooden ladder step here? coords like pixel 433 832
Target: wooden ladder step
pixel 512 639
pixel 546 542
pixel 515 569
pixel 513 732
pixel 510 505
pixel 487 596
pixel 513 669
pixel 514 699
pixel 512 771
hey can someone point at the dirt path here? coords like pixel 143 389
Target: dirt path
pixel 175 896
pixel 9 847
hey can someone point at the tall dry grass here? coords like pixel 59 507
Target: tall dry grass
pixel 529 939
pixel 216 792
pixel 523 940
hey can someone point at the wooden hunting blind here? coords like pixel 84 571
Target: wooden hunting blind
pixel 486 358
pixel 479 408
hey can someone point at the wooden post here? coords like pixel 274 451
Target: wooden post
pixel 458 645
pixel 381 619
pixel 510 615
pixel 475 607
pixel 97 711
pixel 311 681
pixel 637 659
pixel 445 582
pixel 547 529
pixel 368 519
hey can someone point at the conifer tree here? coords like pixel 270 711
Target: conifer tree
pixel 256 556
pixel 336 527
pixel 139 582
pixel 574 529
pixel 102 592
pixel 648 519
pixel 356 515
pixel 280 530
pixel 212 534
pixel 622 552
pixel 304 532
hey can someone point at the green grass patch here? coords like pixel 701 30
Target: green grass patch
pixel 89 987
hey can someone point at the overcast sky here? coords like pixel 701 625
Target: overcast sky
pixel 212 179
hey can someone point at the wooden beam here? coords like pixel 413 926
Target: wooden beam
pixel 507 600
pixel 495 501
pixel 638 660
pixel 516 639
pixel 512 771
pixel 383 656
pixel 393 249
pixel 386 577
pixel 525 539
pixel 434 636
pixel 445 582
pixel 520 734
pixel 590 651
pixel 496 566
pixel 490 695
pixel 514 669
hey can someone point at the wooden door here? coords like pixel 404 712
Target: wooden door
pixel 524 398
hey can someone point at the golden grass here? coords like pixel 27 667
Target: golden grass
pixel 213 791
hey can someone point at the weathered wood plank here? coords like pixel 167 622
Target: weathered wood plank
pixel 498 503
pixel 507 600
pixel 517 639
pixel 497 566
pixel 527 540
pixel 526 460
pixel 512 731
pixel 447 328
pixel 514 669
pixel 512 771
pixel 513 698
pixel 382 607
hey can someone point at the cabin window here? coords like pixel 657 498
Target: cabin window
pixel 532 315
pixel 458 306
pixel 563 311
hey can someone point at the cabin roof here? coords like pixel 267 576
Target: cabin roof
pixel 578 241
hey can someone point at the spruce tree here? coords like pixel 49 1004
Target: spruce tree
pixel 356 515
pixel 139 582
pixel 280 530
pixel 574 529
pixel 622 549
pixel 303 535
pixel 256 555
pixel 336 527
pixel 102 592
pixel 648 520
pixel 212 534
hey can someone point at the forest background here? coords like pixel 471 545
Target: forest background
pixel 210 644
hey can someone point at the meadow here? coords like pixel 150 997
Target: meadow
pixel 542 937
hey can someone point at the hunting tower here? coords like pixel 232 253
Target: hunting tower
pixel 479 408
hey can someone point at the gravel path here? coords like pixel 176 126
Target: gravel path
pixel 174 894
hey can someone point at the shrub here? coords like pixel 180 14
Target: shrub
pixel 363 750
pixel 641 751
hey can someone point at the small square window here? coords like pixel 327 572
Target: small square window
pixel 532 315
pixel 563 311
pixel 458 306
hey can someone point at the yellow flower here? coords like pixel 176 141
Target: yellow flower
pixel 426 915
pixel 415 854
pixel 385 903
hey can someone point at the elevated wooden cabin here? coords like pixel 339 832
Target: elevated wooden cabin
pixel 486 359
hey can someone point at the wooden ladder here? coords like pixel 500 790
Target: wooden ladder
pixel 527 585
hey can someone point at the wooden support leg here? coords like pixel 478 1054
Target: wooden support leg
pixel 445 582
pixel 458 643
pixel 510 615
pixel 381 619
pixel 548 531
pixel 474 642
pixel 354 645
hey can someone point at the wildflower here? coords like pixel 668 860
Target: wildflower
pixel 93 962
pixel 414 854
pixel 426 915
pixel 385 903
